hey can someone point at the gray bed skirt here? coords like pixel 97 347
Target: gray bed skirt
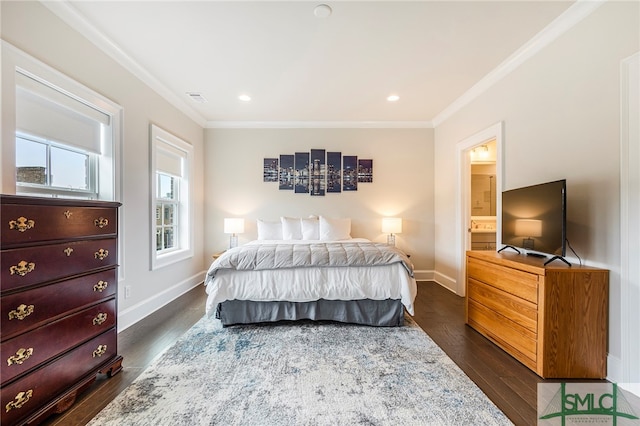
pixel 381 313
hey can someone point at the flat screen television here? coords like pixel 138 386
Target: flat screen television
pixel 534 218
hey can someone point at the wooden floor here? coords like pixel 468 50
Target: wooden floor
pixel 510 385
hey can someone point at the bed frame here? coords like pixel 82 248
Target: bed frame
pixel 380 313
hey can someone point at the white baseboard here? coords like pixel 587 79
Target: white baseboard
pixel 614 369
pixel 446 282
pixel 615 374
pixel 422 275
pixel 135 313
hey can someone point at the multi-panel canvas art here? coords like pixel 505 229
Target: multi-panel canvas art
pixel 318 172
pixel 301 173
pixel 270 173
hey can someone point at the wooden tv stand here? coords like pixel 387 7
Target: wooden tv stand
pixel 553 319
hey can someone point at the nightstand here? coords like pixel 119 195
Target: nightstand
pixel 217 255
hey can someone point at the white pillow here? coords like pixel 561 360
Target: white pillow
pixel 291 228
pixel 269 230
pixel 310 228
pixel 333 229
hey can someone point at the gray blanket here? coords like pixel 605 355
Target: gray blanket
pixel 331 254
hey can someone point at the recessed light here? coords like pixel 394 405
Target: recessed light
pixel 244 98
pixel 322 11
pixel 393 98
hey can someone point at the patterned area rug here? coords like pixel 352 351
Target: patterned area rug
pixel 302 373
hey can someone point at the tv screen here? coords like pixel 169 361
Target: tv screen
pixel 534 218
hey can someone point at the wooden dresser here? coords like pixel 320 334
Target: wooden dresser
pixel 58 293
pixel 551 318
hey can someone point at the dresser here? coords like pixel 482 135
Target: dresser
pixel 58 292
pixel 553 319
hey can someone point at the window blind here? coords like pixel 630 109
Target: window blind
pixel 43 111
pixel 169 159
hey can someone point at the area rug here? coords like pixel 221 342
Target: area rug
pixel 302 373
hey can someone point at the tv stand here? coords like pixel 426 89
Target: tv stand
pixel 553 319
pixel 559 258
pixel 511 247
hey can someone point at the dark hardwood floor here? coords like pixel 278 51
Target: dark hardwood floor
pixel 509 384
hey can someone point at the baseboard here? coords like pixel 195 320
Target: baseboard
pixel 446 282
pixel 614 369
pixel 135 313
pixel 423 275
pixel 615 374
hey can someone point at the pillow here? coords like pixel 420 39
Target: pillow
pixel 310 228
pixel 291 228
pixel 333 229
pixel 269 230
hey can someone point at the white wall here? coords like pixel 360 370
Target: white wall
pixel 402 183
pixel 561 115
pixel 33 29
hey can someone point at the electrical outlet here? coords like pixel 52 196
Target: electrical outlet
pixel 127 291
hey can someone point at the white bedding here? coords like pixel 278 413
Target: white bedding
pixel 314 283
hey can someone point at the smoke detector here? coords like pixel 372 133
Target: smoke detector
pixel 322 11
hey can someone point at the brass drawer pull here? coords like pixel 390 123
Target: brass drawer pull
pixel 21 312
pixel 21 356
pixel 100 318
pixel 21 224
pixel 68 251
pixel 101 254
pixel 100 286
pixel 20 399
pixel 100 350
pixel 22 268
pixel 67 214
pixel 101 222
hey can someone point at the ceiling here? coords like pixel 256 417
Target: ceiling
pixel 297 67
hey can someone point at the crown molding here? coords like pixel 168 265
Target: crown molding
pixel 567 20
pixel 75 20
pixel 319 125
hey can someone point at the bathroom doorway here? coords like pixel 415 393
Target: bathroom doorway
pixel 482 223
pixel 488 162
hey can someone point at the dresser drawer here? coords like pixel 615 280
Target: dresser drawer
pixel 519 310
pixel 33 265
pixel 22 397
pixel 24 224
pixel 32 308
pixel 519 283
pixel 517 340
pixel 27 350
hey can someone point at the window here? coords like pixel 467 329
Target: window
pixel 48 168
pixel 66 145
pixel 167 211
pixel 171 159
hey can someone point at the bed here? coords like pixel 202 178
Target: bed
pixel 321 274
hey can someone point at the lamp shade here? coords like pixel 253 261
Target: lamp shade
pixel 391 225
pixel 233 225
pixel 528 227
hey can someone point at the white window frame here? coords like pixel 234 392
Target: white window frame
pixel 175 201
pixel 163 140
pixel 109 174
pixel 48 190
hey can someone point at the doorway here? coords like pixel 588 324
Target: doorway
pixel 485 162
pixel 482 222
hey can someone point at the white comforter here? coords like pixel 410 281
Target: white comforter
pixel 312 283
